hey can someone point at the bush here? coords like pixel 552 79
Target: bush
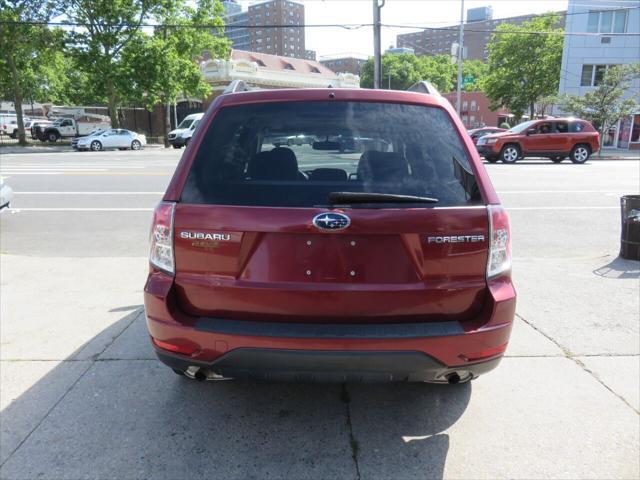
pixel 505 125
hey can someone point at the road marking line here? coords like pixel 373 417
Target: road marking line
pixel 89 193
pixel 80 209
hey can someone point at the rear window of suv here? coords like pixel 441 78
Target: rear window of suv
pixel 295 154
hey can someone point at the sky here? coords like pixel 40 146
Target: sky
pixel 433 13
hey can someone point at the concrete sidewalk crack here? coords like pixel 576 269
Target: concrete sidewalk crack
pixel 353 442
pixel 573 357
pixel 90 362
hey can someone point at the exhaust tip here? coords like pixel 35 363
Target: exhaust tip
pixel 200 376
pixel 453 378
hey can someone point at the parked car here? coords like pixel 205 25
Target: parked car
pixel 6 122
pixel 95 133
pixel 183 138
pixel 6 194
pixel 189 121
pixel 115 138
pixel 556 139
pixel 478 133
pixel 70 127
pixel 38 126
pixel 389 265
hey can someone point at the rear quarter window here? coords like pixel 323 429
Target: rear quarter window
pixel 295 154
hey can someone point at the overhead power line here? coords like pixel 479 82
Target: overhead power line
pixel 353 26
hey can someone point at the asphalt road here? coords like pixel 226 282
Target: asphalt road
pixel 83 397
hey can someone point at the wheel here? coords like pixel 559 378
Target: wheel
pixel 177 146
pixel 491 159
pixel 580 154
pixel 136 145
pixel 52 137
pixel 14 134
pixel 186 142
pixel 509 154
pixel 96 146
pixel 557 158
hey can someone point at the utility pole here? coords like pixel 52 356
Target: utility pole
pixel 377 60
pixel 460 50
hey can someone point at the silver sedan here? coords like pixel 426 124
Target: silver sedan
pixel 114 138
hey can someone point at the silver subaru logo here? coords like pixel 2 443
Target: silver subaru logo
pixel 331 221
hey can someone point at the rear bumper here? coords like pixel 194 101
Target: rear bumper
pixel 330 366
pixel 329 352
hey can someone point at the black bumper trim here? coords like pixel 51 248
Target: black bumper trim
pixel 330 366
pixel 328 330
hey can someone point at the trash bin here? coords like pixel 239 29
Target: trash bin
pixel 630 238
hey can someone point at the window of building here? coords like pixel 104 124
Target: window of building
pixel 465 105
pixel 607 21
pixel 593 75
pixel 473 105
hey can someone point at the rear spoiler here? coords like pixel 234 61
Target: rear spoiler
pixel 424 87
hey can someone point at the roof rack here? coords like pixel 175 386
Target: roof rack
pixel 236 86
pixel 424 87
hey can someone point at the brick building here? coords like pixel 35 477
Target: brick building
pixel 476 37
pixel 349 64
pixel 475 111
pixel 252 30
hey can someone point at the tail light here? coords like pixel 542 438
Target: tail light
pixel 161 254
pixel 499 262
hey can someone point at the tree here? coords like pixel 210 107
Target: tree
pixel 166 61
pixel 607 103
pixel 26 50
pixel 523 67
pixel 475 69
pixel 108 28
pixel 405 69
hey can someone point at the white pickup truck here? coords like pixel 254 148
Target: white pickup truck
pixel 69 128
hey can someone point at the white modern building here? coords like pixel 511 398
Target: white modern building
pixel 585 58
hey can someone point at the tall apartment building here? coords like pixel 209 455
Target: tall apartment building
pixel 236 22
pixel 258 36
pixel 586 58
pixel 476 36
pixel 348 64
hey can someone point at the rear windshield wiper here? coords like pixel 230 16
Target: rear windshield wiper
pixel 365 197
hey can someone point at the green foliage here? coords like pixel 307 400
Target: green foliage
pixel 523 67
pixel 476 69
pixel 505 125
pixel 609 101
pixel 27 51
pixel 406 69
pixel 162 66
pixel 97 49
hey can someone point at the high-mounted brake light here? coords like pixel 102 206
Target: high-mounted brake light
pixel 499 262
pixel 161 254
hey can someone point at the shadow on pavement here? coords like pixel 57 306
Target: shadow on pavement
pixel 125 415
pixel 619 268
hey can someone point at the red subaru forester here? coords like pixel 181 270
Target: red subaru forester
pixel 375 250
